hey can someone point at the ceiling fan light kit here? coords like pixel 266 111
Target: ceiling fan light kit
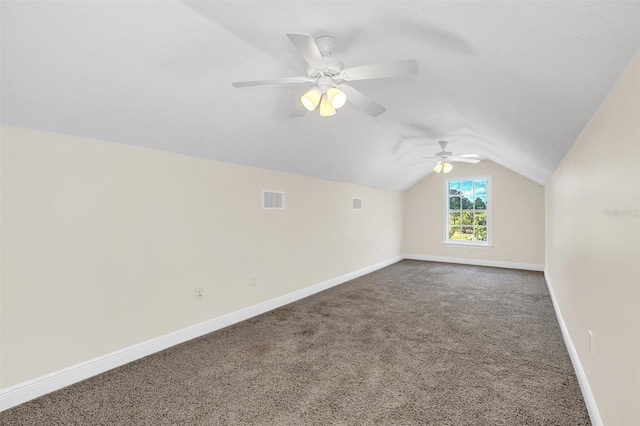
pixel 329 76
pixel 445 158
pixel 311 99
pixel 336 97
pixel 326 109
pixel 442 167
pixel 330 100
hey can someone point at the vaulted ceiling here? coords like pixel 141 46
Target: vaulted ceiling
pixel 514 82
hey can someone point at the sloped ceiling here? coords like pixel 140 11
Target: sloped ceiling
pixel 514 82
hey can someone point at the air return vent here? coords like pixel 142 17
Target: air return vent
pixel 273 200
pixel 356 203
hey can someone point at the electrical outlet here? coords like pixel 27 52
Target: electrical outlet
pixel 252 280
pixel 199 293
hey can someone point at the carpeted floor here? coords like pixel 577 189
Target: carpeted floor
pixel 415 343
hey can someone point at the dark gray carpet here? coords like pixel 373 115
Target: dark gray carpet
pixel 414 343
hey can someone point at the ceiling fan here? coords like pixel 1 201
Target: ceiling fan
pixel 445 158
pixel 329 76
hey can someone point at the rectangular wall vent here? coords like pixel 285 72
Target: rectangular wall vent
pixel 356 203
pixel 273 200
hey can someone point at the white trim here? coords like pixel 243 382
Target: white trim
pixel 466 245
pixel 589 400
pixel 23 392
pixel 477 262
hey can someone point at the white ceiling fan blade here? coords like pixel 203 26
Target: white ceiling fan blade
pixel 308 49
pixel 389 69
pixel 361 101
pixel 467 156
pixel 273 81
pixel 462 160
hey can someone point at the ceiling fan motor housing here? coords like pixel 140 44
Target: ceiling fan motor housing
pixel 332 69
pixel 332 66
pixel 443 153
pixel 325 82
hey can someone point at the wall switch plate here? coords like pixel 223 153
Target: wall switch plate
pixel 252 280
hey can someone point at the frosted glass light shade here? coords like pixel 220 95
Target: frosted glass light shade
pixel 311 99
pixel 326 110
pixel 336 97
pixel 442 167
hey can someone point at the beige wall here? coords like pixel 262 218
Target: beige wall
pixel 517 210
pixel 104 244
pixel 593 256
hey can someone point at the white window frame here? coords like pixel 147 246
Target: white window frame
pixel 458 243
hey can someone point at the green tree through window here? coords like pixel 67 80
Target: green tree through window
pixel 467 210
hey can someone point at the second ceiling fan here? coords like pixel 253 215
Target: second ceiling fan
pixel 445 158
pixel 329 77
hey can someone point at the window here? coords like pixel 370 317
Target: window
pixel 468 211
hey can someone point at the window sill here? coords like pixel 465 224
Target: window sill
pixel 467 245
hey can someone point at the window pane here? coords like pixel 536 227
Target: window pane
pixel 454 203
pixel 481 203
pixel 454 233
pixel 480 233
pixel 467 204
pixel 466 187
pixel 467 218
pixel 454 187
pixel 480 219
pixel 467 233
pixel 454 219
pixel 480 187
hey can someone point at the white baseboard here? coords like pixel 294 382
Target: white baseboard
pixel 23 392
pixel 589 400
pixel 476 262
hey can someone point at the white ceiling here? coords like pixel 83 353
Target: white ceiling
pixel 515 82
